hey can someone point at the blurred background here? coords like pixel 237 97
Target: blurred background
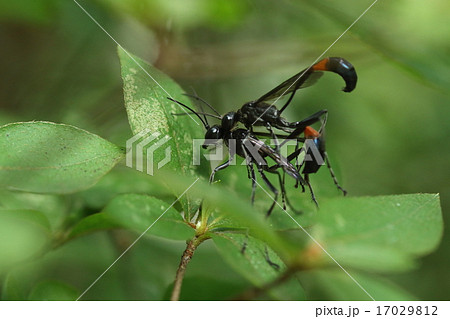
pixel 389 136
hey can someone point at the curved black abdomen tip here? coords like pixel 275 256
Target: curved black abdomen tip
pixel 346 70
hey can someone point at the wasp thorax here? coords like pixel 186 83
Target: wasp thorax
pixel 229 120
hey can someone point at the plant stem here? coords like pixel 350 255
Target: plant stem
pixel 185 259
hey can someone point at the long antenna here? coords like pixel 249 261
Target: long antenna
pixel 201 113
pixel 201 108
pixel 193 112
pixel 202 100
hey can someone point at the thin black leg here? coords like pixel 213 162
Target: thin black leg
pixel 333 176
pixel 271 187
pixel 297 84
pixel 274 137
pixel 222 166
pixel 253 178
pixel 269 261
pixel 313 196
pixel 244 245
pixel 251 173
pixel 283 190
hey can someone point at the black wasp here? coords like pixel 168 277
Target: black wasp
pixel 261 113
pixel 243 143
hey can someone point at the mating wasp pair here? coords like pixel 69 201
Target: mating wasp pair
pixel 245 142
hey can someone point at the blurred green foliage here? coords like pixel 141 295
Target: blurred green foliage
pixel 389 136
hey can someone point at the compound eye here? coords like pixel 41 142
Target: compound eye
pixel 213 134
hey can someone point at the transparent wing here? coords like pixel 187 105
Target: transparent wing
pixel 304 78
pixel 309 76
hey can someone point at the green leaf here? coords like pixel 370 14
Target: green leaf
pixel 146 90
pixel 122 180
pixel 239 210
pixel 12 288
pixel 337 285
pixel 251 264
pixel 44 157
pixel 138 212
pixel 23 233
pixel 150 113
pixel 254 263
pixel 53 207
pixel 236 180
pixel 95 222
pixel 372 257
pixel 53 290
pixel 383 233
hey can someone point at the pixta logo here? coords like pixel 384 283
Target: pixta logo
pixel 144 145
